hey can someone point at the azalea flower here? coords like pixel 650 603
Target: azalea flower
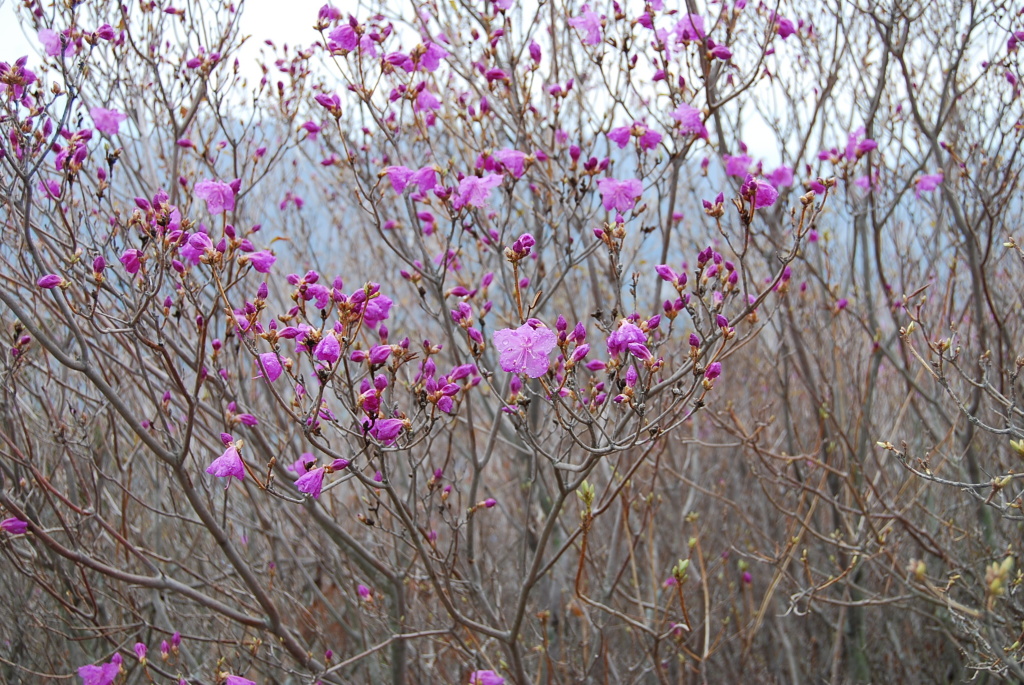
pixel 311 482
pixel 475 191
pixel 229 463
pixel 272 363
pixel 219 196
pixel 237 680
pixel 103 674
pixel 626 335
pixel 107 120
pixel 619 195
pixel 588 22
pixel 14 526
pixel 512 160
pixel 328 349
pixel 762 192
pixel 928 183
pixel 485 678
pixel 525 349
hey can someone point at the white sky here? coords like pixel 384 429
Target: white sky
pixel 264 19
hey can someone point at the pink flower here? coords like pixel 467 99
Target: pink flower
pixel 14 526
pixel 626 335
pixel 131 259
pixel 364 592
pixel 485 678
pixel 690 27
pixel 107 120
pixel 311 482
pixel 512 160
pixel 100 675
pixel 237 680
pixel 345 37
pixel 51 40
pixel 620 136
pixel 928 183
pixel 219 196
pixel 228 464
pixel 525 349
pixel 328 349
pixel 475 191
pixel 781 177
pixel 713 371
pixel 384 430
pixel 760 191
pixel 49 281
pixel 737 166
pixel 262 261
pixel 588 22
pixel 272 364
pixel 619 195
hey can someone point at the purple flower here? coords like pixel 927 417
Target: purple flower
pixel 384 430
pixel 100 675
pixel 272 364
pixel 525 349
pixel 621 339
pixel 619 195
pixel 219 196
pixel 51 40
pixel 737 166
pixel 311 483
pixel 475 191
pixel 689 121
pixel 262 261
pixel 512 160
pixel 690 27
pixel 228 464
pixel 781 177
pixel 620 136
pixel 14 526
pixel 107 120
pixel 485 678
pixel 328 349
pixel 237 680
pixel 50 281
pixel 928 183
pixel 713 371
pixel 345 37
pixel 140 651
pixel 762 192
pixel 131 259
pixel 589 23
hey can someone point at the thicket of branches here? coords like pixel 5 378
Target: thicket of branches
pixel 515 360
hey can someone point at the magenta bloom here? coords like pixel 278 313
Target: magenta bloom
pixel 131 259
pixel 107 120
pixel 690 27
pixel 588 22
pixel 928 183
pixel 51 41
pixel 262 261
pixel 620 136
pixel 140 651
pixel 228 464
pixel 525 349
pixel 713 371
pixel 737 166
pixel 345 37
pixel 475 191
pixel 49 281
pixel 311 483
pixel 272 364
pixel 762 192
pixel 219 196
pixel 512 160
pixel 384 430
pixel 238 680
pixel 328 349
pixel 100 675
pixel 626 335
pixel 14 526
pixel 619 195
pixel 485 678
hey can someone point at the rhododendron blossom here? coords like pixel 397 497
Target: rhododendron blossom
pixel 219 196
pixel 107 120
pixel 525 349
pixel 619 195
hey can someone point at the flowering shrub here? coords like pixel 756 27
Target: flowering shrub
pixel 469 342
